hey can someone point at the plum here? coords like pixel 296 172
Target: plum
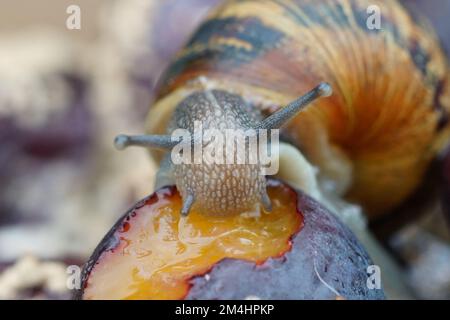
pixel 297 251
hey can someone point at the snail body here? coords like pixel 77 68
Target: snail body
pixel 372 140
pixel 229 187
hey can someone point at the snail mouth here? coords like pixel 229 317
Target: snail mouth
pixel 154 253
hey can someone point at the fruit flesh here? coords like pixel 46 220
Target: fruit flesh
pixel 159 252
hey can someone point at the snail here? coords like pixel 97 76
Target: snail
pixel 241 184
pixel 388 117
pixel 370 142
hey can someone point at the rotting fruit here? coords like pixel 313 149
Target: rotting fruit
pixel 297 251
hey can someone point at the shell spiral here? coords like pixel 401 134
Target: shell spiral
pixel 388 116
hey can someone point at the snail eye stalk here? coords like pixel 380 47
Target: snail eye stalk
pixel 154 141
pixel 279 118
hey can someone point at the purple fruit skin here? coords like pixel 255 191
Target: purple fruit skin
pixel 324 244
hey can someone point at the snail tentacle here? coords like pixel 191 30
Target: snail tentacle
pixel 187 204
pixel 265 199
pixel 279 118
pixel 155 141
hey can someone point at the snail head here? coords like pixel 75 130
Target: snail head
pixel 214 141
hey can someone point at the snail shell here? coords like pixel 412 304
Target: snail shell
pixel 388 117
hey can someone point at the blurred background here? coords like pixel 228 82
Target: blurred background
pixel 65 94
